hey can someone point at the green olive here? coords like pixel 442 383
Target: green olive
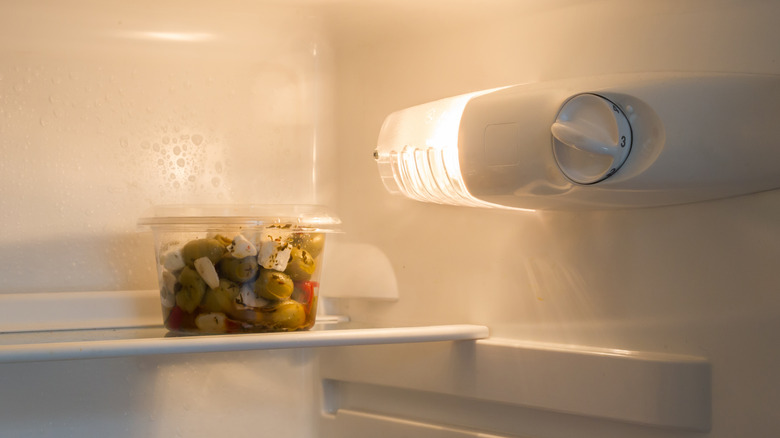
pixel 311 242
pixel 301 265
pixel 238 270
pixel 195 249
pixel 192 289
pixel 273 285
pixel 223 240
pixel 221 298
pixel 287 315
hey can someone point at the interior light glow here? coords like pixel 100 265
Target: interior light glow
pixel 417 152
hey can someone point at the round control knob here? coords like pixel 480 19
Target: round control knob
pixel 591 138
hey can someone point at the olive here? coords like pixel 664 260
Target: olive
pixel 238 270
pixel 287 315
pixel 222 298
pixel 311 242
pixel 301 265
pixel 225 241
pixel 195 249
pixel 273 285
pixel 192 289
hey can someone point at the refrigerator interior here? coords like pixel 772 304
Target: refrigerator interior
pixel 108 108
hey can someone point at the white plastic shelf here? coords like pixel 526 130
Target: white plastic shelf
pixel 103 343
pixel 88 325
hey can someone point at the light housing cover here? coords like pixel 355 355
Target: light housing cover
pixel 675 138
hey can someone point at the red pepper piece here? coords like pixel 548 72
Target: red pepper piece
pixel 175 318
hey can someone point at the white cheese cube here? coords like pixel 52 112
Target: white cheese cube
pixel 211 322
pixel 167 292
pixel 248 297
pixel 241 247
pixel 274 254
pixel 172 260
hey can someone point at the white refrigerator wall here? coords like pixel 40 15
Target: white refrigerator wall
pixel 107 108
pixel 110 107
pixel 698 279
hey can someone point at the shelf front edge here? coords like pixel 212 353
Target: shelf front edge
pixel 49 351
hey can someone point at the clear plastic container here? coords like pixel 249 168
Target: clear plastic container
pixel 232 269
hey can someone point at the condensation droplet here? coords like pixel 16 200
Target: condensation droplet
pixel 180 162
pixel 197 139
pixel 215 181
pixel 218 167
pixel 166 140
pixel 177 150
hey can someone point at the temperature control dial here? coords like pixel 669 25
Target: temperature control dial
pixel 591 138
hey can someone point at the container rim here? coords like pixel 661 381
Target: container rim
pixel 312 216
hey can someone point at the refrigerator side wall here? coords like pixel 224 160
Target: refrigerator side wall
pixel 697 279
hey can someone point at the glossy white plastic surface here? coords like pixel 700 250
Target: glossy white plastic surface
pixel 90 325
pixel 79 310
pixel 43 346
pixel 699 279
pixel 591 138
pixel 657 389
pixel 696 136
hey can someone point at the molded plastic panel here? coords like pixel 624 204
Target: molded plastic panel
pixel 88 325
pixel 695 137
pixel 647 388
